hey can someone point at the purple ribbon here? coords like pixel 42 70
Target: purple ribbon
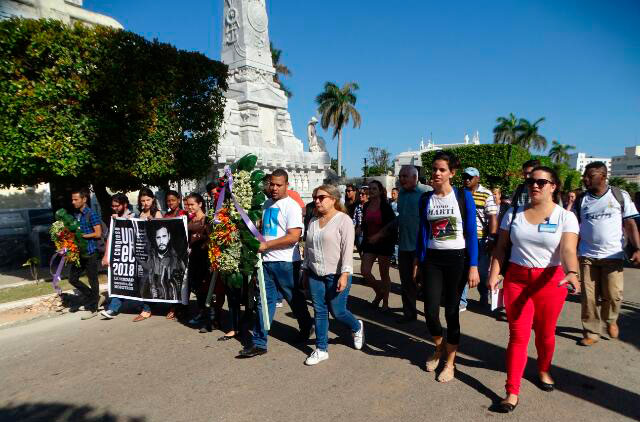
pixel 229 184
pixel 56 276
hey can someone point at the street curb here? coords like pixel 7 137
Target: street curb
pixel 23 303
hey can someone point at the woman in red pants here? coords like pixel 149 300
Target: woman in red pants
pixel 543 238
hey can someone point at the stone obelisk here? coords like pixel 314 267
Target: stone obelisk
pixel 256 115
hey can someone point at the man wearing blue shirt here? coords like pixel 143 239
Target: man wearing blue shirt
pixel 92 230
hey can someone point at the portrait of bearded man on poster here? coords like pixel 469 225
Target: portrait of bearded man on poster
pixel 165 267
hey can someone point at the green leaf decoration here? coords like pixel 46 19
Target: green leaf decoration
pixel 247 163
pixel 258 200
pixel 257 176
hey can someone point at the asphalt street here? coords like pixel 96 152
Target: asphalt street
pixel 65 369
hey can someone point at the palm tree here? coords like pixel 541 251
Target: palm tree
pixel 281 69
pixel 529 136
pixel 506 131
pixel 336 107
pixel 559 153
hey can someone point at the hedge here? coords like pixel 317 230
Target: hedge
pixel 498 164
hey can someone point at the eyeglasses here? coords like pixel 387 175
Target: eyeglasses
pixel 538 182
pixel 350 190
pixel 320 197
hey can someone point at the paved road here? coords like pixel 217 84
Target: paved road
pixel 64 369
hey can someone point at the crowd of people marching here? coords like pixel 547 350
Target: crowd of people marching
pixel 444 239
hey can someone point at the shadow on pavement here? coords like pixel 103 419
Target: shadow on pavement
pixel 386 338
pixel 60 412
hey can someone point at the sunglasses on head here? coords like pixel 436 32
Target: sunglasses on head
pixel 320 197
pixel 538 182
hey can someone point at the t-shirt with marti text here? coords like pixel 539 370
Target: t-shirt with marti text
pixel 445 221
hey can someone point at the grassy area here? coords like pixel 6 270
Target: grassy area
pixel 32 290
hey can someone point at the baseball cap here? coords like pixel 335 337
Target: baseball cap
pixel 471 171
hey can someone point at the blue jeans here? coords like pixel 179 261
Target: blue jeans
pixel 116 303
pixel 483 270
pixel 284 277
pixel 326 299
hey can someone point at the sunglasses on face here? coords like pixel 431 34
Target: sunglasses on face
pixel 320 197
pixel 350 190
pixel 538 182
pixel 467 177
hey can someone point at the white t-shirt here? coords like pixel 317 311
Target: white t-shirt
pixel 446 222
pixel 601 234
pixel 537 249
pixel 277 218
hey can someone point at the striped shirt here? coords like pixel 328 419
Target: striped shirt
pixel 485 206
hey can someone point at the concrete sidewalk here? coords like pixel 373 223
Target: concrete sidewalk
pixel 160 370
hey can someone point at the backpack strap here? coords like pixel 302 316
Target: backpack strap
pixel 578 205
pixel 617 193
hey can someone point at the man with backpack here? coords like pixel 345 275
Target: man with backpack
pixel 92 231
pixel 605 214
pixel 487 223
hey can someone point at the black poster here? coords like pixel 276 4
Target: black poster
pixel 148 259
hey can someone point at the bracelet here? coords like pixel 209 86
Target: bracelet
pixel 572 272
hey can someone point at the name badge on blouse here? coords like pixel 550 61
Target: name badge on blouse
pixel 547 228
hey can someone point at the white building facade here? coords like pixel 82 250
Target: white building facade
pixel 627 166
pixel 414 157
pixel 579 161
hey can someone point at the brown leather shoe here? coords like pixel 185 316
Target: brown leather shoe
pixel 587 341
pixel 141 317
pixel 613 330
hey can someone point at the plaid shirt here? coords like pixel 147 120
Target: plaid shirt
pixel 88 220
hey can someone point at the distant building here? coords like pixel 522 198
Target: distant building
pixel 627 166
pixel 579 161
pixel 414 157
pixel 68 11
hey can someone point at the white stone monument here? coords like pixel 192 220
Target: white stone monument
pixel 256 118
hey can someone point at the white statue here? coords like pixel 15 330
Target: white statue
pixel 466 138
pixel 316 143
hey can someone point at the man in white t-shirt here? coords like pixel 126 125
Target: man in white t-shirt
pixel 605 214
pixel 281 228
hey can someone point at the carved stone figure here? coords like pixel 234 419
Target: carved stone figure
pixel 316 143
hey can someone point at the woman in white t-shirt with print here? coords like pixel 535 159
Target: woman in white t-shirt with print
pixel 543 238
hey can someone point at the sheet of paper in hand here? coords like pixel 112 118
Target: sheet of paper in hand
pixel 497 298
pixel 148 259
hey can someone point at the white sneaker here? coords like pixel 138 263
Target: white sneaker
pixel 109 314
pixel 462 308
pixel 279 305
pixel 316 357
pixel 358 337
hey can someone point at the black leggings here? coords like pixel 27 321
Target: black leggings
pixel 444 271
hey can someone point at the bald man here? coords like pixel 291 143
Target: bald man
pixel 408 220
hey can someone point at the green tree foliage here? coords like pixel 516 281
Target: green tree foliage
pixel 281 69
pixel 514 131
pixel 570 179
pixel 630 187
pixel 104 107
pixel 499 165
pixel 378 162
pixel 559 153
pixel 337 107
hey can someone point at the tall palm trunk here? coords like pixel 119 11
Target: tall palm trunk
pixel 340 153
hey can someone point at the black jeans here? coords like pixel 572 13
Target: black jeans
pixel 409 288
pixel 444 271
pixel 90 265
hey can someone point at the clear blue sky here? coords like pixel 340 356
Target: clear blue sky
pixel 441 67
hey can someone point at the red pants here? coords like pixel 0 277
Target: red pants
pixel 532 298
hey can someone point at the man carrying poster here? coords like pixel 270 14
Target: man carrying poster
pixel 148 259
